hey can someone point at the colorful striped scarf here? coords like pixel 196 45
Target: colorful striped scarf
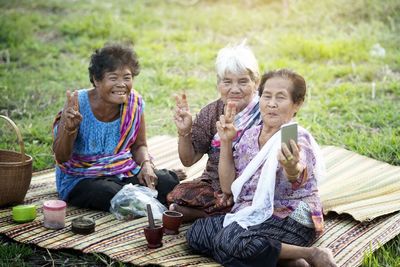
pixel 245 119
pixel 121 163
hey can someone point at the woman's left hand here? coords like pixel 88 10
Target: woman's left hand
pixel 147 176
pixel 290 160
pixel 223 200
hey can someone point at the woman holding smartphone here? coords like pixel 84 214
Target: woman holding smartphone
pixel 277 210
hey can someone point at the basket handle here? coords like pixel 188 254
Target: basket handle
pixel 20 141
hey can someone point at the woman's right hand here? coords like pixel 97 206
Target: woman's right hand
pixel 71 118
pixel 225 127
pixel 182 116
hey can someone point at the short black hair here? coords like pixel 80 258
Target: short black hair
pixel 110 58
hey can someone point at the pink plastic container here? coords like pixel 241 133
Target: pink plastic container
pixel 54 214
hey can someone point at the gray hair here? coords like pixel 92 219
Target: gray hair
pixel 237 59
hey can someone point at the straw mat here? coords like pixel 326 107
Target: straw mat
pixel 351 179
pixel 358 185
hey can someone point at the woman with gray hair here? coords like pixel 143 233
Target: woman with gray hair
pixel 237 81
pixel 277 211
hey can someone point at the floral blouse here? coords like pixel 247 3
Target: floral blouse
pixel 288 195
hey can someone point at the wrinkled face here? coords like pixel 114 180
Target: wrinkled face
pixel 239 89
pixel 115 86
pixel 276 104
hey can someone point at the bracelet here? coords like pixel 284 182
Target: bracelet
pixel 147 160
pixel 184 135
pixel 69 132
pixel 299 171
pixel 292 176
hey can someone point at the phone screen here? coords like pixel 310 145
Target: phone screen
pixel 288 132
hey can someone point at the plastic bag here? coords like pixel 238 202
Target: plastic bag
pixel 130 202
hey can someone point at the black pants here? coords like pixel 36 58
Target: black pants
pixel 96 193
pixel 258 246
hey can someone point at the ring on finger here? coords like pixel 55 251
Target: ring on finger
pixel 290 157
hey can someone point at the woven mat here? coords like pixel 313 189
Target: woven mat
pixel 351 184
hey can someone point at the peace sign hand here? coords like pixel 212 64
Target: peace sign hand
pixel 225 127
pixel 182 116
pixel 70 115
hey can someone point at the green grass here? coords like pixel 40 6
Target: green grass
pixel 45 47
pixel 13 254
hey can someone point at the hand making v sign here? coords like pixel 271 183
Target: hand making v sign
pixel 182 116
pixel 225 127
pixel 71 118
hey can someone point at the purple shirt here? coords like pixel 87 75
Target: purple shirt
pixel 287 195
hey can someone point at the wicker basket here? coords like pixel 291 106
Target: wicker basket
pixel 15 172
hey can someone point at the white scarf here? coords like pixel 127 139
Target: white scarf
pixel 262 206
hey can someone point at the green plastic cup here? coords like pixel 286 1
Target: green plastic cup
pixel 24 213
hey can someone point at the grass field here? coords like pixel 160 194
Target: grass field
pixel 354 90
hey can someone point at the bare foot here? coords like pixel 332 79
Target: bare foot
pixel 293 263
pixel 180 173
pixel 322 257
pixel 189 214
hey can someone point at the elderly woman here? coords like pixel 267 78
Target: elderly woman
pixel 100 136
pixel 237 81
pixel 277 210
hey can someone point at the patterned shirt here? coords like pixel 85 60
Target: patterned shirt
pixel 203 131
pixel 288 195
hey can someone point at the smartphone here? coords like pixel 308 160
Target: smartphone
pixel 289 132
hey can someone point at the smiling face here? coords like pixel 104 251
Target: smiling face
pixel 115 86
pixel 276 103
pixel 237 88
